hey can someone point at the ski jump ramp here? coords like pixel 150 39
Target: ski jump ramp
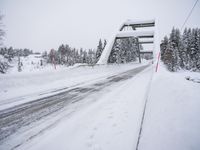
pixel 141 37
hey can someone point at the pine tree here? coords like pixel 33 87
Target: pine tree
pixel 198 50
pixel 134 49
pixel 183 50
pixel 174 44
pixel 115 52
pixel 61 52
pixel 85 59
pixel 129 50
pixel 91 57
pixel 123 49
pixel 194 48
pixel 189 46
pixel 104 44
pixel 163 47
pixel 99 49
pixel 169 57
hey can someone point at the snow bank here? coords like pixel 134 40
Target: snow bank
pixel 172 120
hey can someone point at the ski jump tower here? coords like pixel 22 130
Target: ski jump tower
pixel 129 29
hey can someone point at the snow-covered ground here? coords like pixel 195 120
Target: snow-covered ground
pixel 16 88
pixel 30 64
pixel 113 82
pixel 172 116
pixel 110 118
pixel 111 122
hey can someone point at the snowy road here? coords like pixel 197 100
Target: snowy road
pixel 21 116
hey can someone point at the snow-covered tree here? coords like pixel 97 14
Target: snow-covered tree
pixel 183 51
pixel 4 64
pixel 100 48
pixel 104 44
pixel 115 53
pixel 184 57
pixel 194 48
pixel 170 57
pixel 198 50
pixel 124 50
pixel 163 47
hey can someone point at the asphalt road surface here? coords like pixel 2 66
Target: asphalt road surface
pixel 15 118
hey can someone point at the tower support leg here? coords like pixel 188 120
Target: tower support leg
pixel 138 50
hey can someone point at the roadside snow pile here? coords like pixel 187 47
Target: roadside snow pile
pixel 171 120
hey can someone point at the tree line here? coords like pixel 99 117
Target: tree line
pixel 65 55
pixel 8 54
pixel 124 50
pixel 181 51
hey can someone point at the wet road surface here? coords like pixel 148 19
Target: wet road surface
pixel 12 119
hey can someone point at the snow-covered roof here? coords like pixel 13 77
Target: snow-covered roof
pixel 124 34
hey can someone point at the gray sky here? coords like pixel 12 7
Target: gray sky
pixel 44 24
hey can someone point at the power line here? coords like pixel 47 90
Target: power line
pixel 189 14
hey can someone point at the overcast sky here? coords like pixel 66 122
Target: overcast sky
pixel 44 24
